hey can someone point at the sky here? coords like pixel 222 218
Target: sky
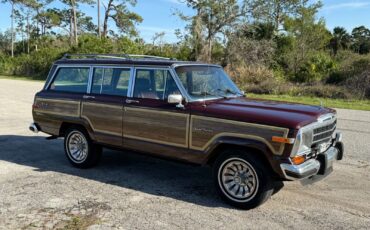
pixel 159 15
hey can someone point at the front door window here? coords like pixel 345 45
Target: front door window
pixel 154 84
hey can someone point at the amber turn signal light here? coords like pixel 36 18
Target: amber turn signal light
pixel 283 140
pixel 298 159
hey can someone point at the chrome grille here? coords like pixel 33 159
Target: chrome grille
pixel 324 133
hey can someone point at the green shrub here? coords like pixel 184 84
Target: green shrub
pixel 254 74
pixel 36 65
pixel 285 88
pixel 327 91
pixel 93 45
pixel 316 68
pixel 360 84
pixel 349 65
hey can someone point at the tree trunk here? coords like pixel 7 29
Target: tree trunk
pixel 37 22
pixel 277 17
pixel 22 36
pixel 210 36
pixel 210 49
pixel 99 29
pixel 12 30
pixel 28 33
pixel 105 24
pixel 74 22
pixel 71 30
pixel 106 17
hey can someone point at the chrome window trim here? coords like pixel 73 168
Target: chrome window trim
pixel 133 68
pixel 185 92
pixel 89 83
pixel 131 82
pixel 47 88
pixel 179 84
pixel 165 84
pixel 50 76
pixel 127 67
pixel 169 69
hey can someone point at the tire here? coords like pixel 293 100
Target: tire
pixel 241 179
pixel 81 152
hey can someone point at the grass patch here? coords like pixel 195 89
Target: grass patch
pixel 23 78
pixel 332 103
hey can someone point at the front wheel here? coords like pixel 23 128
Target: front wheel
pixel 79 149
pixel 241 179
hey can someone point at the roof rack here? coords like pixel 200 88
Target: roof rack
pixel 115 56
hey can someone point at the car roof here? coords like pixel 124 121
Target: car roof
pixel 111 59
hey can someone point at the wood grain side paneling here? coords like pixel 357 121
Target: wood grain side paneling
pixel 169 128
pixel 57 107
pixel 204 130
pixel 103 118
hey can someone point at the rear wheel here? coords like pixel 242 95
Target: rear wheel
pixel 79 149
pixel 242 179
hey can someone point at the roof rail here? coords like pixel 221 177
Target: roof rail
pixel 117 56
pixel 121 56
pixel 148 56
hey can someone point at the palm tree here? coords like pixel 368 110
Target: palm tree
pixel 341 39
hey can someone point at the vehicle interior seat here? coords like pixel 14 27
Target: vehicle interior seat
pixel 143 89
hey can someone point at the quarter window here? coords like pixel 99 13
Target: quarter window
pixel 110 81
pixel 71 79
pixel 154 84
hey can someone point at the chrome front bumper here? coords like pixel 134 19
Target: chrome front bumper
pixel 319 167
pixel 304 170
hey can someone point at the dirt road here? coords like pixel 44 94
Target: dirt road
pixel 40 190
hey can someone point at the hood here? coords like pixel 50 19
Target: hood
pixel 274 113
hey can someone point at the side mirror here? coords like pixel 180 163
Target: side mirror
pixel 175 99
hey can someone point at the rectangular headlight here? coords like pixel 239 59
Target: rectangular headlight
pixel 302 145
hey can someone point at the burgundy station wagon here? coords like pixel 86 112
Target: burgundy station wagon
pixel 186 111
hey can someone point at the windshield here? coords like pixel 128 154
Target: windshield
pixel 205 82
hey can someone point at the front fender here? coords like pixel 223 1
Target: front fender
pixel 259 147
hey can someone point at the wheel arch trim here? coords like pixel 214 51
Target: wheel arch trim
pixel 239 141
pixel 261 149
pixel 82 123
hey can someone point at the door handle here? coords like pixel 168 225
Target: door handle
pixel 88 97
pixel 128 101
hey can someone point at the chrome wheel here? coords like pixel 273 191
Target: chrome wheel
pixel 77 146
pixel 238 180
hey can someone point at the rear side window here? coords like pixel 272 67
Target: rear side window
pixel 110 81
pixel 71 79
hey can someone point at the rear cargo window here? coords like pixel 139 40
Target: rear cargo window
pixel 71 79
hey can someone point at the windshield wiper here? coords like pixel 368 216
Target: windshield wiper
pixel 228 91
pixel 207 93
pixel 223 93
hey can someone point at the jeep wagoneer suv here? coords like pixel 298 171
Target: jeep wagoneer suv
pixel 186 111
